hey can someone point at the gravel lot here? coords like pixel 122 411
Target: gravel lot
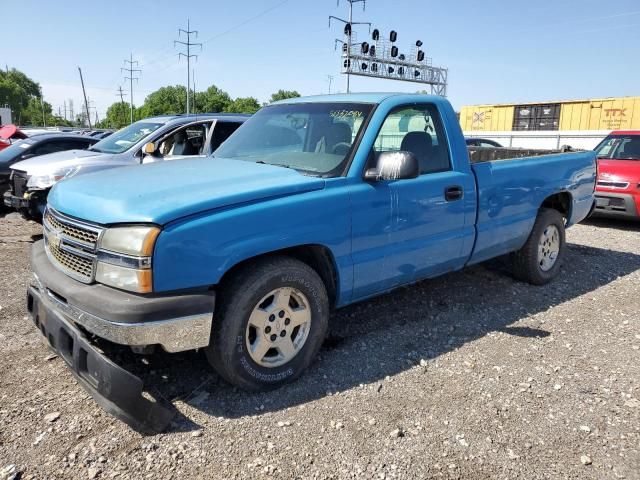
pixel 472 376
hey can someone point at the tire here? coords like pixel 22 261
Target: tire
pixel 236 344
pixel 536 269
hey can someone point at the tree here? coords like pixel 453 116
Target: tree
pixel 165 100
pixel 243 105
pixel 283 95
pixel 212 100
pixel 18 91
pixel 118 115
pixel 32 114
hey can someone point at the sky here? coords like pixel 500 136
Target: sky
pixel 496 51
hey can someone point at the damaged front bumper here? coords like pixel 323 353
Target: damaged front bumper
pixel 31 202
pixel 70 313
pixel 112 387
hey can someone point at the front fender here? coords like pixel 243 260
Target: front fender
pixel 197 251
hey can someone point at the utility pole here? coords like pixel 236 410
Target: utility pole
pixel 131 71
pixel 348 34
pixel 84 93
pixel 122 94
pixel 44 120
pixel 330 79
pixel 193 77
pixel 188 55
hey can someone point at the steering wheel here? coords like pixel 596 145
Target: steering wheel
pixel 344 145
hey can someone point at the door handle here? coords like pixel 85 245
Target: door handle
pixel 453 192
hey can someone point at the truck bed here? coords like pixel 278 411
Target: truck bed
pixel 511 189
pixel 489 154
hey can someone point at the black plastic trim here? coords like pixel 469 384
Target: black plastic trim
pixel 116 390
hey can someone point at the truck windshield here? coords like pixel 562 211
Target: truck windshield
pixel 619 147
pixel 313 138
pixel 124 139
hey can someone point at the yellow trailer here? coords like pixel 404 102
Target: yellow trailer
pixel 596 114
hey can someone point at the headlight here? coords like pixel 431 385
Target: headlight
pixel 137 241
pixel 124 258
pixel 47 181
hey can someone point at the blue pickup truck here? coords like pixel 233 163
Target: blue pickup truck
pixel 312 204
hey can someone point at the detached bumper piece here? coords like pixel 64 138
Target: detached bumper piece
pixel 115 389
pixel 15 202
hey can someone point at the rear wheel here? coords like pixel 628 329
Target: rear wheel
pixel 539 260
pixel 271 323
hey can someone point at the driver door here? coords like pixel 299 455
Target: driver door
pixel 413 228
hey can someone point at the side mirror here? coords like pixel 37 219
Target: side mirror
pixel 149 148
pixel 394 166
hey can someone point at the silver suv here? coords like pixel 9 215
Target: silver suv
pixel 150 140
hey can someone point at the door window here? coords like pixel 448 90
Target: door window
pixel 221 132
pixel 417 129
pixel 189 140
pixel 44 148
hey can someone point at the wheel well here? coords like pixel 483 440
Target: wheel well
pixel 559 201
pixel 317 257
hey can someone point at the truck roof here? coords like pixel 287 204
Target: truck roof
pixel 198 116
pixel 371 97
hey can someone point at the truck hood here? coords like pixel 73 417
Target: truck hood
pixel 165 191
pixel 627 170
pixel 52 162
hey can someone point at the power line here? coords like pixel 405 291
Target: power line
pixel 131 78
pixel 188 55
pixel 160 53
pixel 244 22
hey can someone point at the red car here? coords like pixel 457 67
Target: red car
pixel 618 186
pixel 8 133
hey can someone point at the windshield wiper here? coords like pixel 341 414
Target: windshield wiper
pixel 262 162
pixel 283 165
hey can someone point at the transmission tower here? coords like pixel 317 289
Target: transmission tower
pixel 347 30
pixel 131 71
pixel 188 55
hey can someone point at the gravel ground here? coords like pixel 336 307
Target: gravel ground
pixel 472 375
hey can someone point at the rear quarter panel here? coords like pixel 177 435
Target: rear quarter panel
pixel 510 193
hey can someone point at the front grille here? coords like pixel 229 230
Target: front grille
pixel 75 231
pixel 19 182
pixel 603 183
pixel 71 245
pixel 70 261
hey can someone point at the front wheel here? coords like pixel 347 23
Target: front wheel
pixel 539 260
pixel 271 323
